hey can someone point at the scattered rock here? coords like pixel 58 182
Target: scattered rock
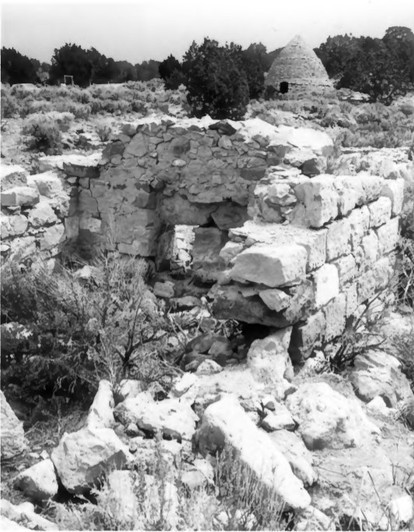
pixel 171 417
pixel 377 374
pixel 327 418
pixel 101 411
pixel 23 514
pixel 39 482
pixel 83 456
pixel 298 456
pixel 277 420
pixel 226 423
pixel 269 361
pixel 13 441
pixel 208 367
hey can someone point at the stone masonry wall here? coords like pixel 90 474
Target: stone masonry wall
pixel 280 242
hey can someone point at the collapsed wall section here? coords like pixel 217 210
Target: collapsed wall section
pixel 279 242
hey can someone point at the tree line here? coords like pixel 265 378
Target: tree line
pixel 86 67
pixel 220 80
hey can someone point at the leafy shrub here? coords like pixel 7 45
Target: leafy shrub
pixel 104 132
pixel 9 105
pixel 44 136
pixel 108 327
pixel 63 120
pixel 31 106
pixel 79 110
pixel 405 272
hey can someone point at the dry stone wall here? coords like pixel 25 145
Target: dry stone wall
pixel 280 242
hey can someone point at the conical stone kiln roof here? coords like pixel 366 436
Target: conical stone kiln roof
pixel 297 63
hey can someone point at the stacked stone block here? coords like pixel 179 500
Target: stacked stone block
pixel 348 227
pixel 33 209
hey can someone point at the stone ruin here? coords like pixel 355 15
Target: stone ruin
pixel 297 71
pixel 275 240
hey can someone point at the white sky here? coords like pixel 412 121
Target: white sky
pixel 152 29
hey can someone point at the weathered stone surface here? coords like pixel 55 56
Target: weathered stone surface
pixel 305 337
pixel 73 164
pixel 372 186
pixel 347 269
pixel 369 249
pixel 327 418
pixel 275 299
pixel 101 411
pixel 270 265
pixel 326 284
pixel 359 222
pixel 269 361
pixel 377 374
pixel 83 456
pixel 394 189
pixel 278 419
pixel 11 176
pixel 39 482
pixel 335 317
pixel 229 302
pixel 49 184
pixel 42 214
pixel 348 475
pixel 348 193
pixel 170 417
pixel 388 235
pixel 208 367
pixel 298 456
pixel 52 236
pixel 320 199
pixel 380 211
pixel 338 241
pixel 13 441
pixel 314 241
pixel 12 515
pixel 226 423
pixel 12 226
pixel 20 196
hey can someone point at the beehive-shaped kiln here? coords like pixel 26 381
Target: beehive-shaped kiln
pixel 297 70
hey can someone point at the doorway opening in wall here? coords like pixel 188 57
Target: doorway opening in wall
pixel 284 87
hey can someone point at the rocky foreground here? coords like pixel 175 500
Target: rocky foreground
pixel 332 448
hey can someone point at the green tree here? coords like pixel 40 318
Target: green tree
pixel 255 63
pixel 72 60
pixel 216 81
pixel 336 52
pixel 147 70
pixel 171 72
pixel 17 68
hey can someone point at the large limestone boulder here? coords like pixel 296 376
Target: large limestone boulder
pixel 22 517
pixel 83 456
pixel 225 423
pixel 13 441
pixel 171 417
pixel 298 456
pixel 364 483
pixel 39 482
pixel 327 418
pixel 377 374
